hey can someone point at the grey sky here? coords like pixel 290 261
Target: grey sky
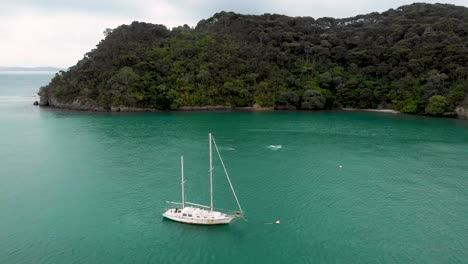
pixel 58 33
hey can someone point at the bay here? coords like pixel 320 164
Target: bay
pixel 91 188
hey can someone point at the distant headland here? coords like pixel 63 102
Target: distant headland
pixel 412 59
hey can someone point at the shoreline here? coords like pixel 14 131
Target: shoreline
pixel 124 109
pixel 208 108
pixel 388 111
pixel 227 109
pixel 201 109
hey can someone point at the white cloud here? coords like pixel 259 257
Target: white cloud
pixel 31 38
pixel 59 33
pixel 166 13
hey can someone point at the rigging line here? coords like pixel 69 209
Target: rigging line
pixel 227 175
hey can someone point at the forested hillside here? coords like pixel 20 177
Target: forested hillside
pixel 413 59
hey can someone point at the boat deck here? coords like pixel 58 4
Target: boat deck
pixel 194 215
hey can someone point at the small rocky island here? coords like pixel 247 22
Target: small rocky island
pixel 413 59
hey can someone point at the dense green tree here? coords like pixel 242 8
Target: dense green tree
pixel 410 107
pixel 288 100
pixel 312 100
pixel 437 105
pixel 397 59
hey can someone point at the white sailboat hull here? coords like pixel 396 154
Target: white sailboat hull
pixel 197 216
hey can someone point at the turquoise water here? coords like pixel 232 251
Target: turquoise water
pixel 91 188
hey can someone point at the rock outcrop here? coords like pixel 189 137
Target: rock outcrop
pixel 462 113
pixel 79 103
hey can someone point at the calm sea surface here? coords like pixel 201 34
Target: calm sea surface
pixel 91 188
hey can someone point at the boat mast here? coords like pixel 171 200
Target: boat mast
pixel 211 174
pixel 182 172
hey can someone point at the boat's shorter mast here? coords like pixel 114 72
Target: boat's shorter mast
pixel 182 172
pixel 211 174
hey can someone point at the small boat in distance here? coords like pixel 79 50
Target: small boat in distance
pixel 201 214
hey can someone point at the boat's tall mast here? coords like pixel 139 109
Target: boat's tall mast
pixel 211 174
pixel 182 172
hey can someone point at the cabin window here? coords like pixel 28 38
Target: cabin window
pixel 184 214
pixel 198 216
pixel 190 215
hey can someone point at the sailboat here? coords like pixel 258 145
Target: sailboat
pixel 192 213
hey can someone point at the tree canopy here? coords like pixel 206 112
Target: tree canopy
pixel 404 59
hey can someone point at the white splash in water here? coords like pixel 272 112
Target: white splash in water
pixel 274 147
pixel 227 148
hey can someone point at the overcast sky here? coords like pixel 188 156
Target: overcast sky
pixel 59 32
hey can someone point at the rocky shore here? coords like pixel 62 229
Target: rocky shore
pixel 389 111
pixel 462 113
pixel 85 104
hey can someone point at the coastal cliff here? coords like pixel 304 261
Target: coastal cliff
pixel 413 59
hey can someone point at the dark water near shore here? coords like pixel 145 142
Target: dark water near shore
pixel 91 188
